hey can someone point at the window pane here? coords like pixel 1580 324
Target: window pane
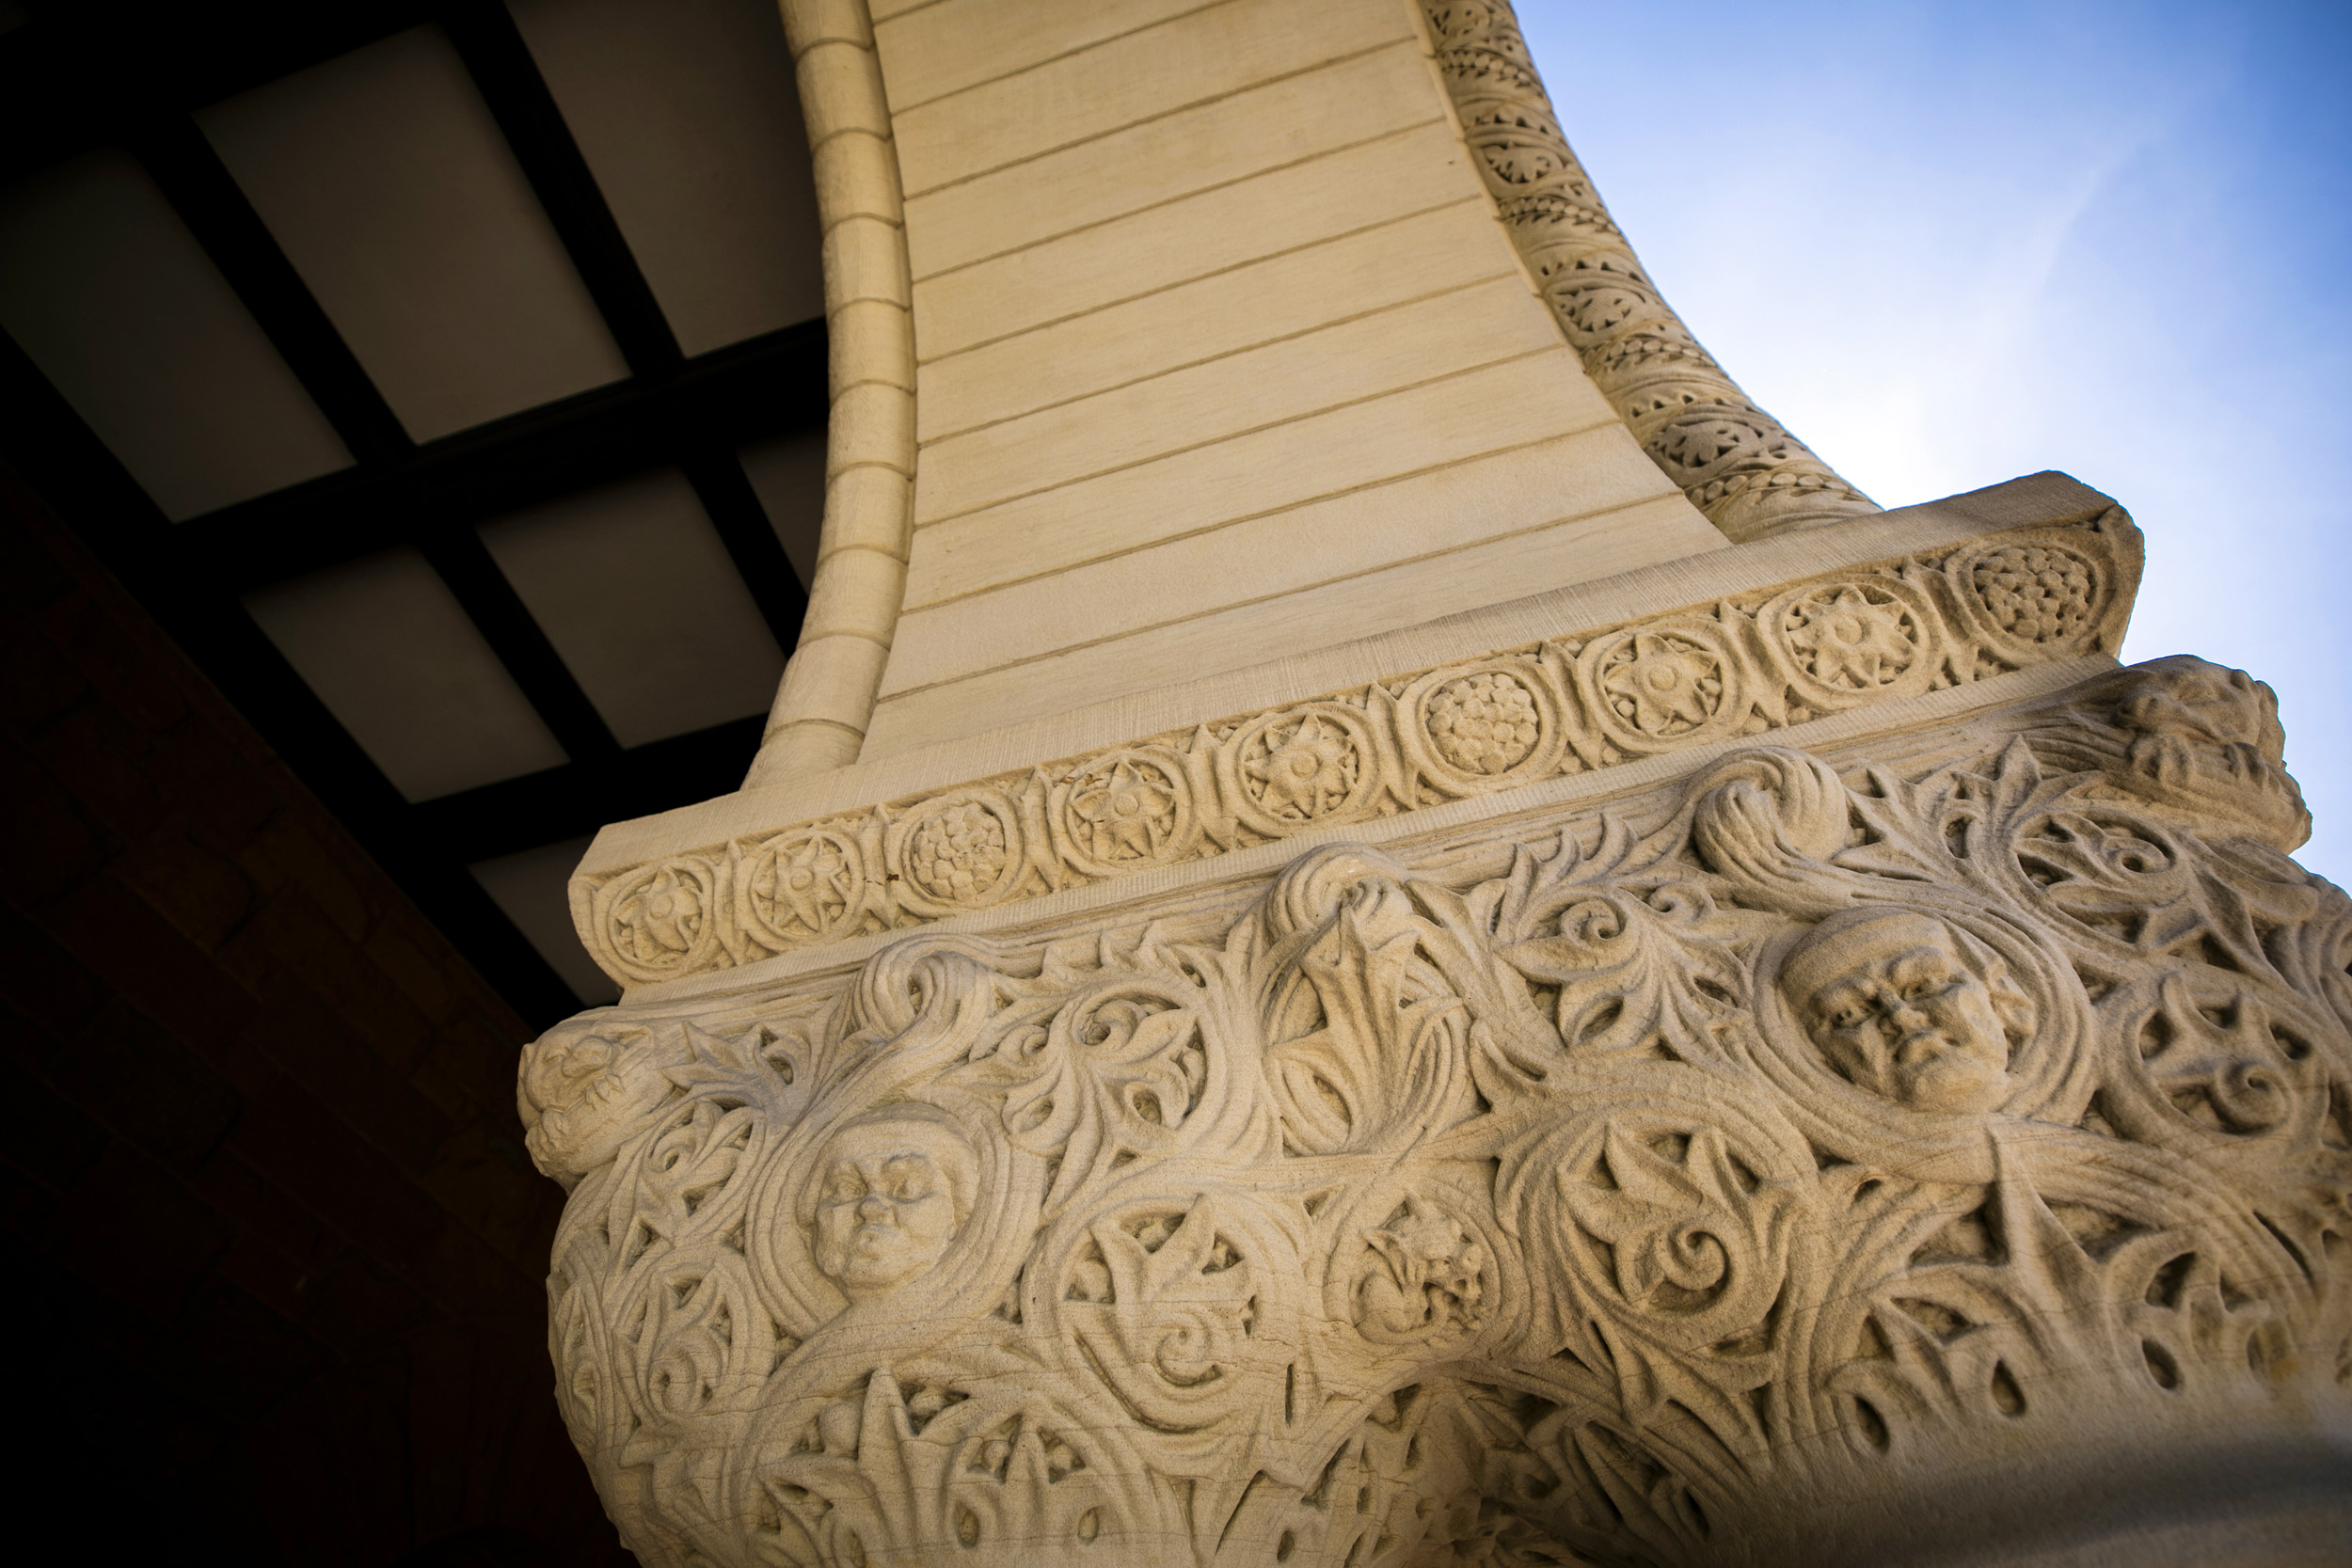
pixel 112 297
pixel 388 650
pixel 388 184
pixel 531 887
pixel 686 112
pixel 634 588
pixel 787 473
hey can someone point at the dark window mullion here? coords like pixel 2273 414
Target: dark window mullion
pixel 73 471
pixel 473 576
pixel 734 508
pixel 582 797
pixel 770 386
pixel 501 63
pixel 216 210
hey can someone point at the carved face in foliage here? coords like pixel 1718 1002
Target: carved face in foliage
pixel 585 1087
pixel 1908 1007
pixel 892 1191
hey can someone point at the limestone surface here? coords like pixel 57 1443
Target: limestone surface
pixel 1864 1157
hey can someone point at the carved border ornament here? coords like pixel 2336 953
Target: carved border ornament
pixel 1820 1170
pixel 1739 466
pixel 1565 705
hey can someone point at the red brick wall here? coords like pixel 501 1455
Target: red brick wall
pixel 278 1248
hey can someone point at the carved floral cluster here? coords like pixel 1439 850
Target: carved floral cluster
pixel 2040 596
pixel 1622 1206
pixel 959 853
pixel 1562 706
pixel 1483 724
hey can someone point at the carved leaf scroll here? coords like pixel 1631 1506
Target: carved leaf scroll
pixel 1542 1211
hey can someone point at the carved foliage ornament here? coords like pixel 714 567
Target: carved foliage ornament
pixel 1830 1138
pixel 1892 630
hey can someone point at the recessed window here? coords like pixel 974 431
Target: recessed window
pixel 686 112
pixel 634 588
pixel 388 184
pixel 788 474
pixel 108 292
pixel 533 887
pixel 386 647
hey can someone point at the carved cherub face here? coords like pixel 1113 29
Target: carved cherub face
pixel 1902 1006
pixel 891 1194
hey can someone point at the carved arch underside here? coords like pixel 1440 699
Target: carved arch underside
pixel 1544 1218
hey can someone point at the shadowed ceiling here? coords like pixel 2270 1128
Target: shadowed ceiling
pixel 448 380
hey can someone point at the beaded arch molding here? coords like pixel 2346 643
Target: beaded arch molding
pixel 1737 465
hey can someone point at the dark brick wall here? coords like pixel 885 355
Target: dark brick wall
pixel 278 1250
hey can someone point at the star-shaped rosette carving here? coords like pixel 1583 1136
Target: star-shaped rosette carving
pixel 1672 684
pixel 663 917
pixel 1663 684
pixel 1841 643
pixel 1125 810
pixel 1851 642
pixel 801 887
pixel 1301 767
pixel 1304 774
pixel 659 919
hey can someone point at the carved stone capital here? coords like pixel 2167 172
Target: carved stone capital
pixel 1934 1148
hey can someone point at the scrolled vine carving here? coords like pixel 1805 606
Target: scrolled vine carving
pixel 1697 677
pixel 1734 462
pixel 1693 1189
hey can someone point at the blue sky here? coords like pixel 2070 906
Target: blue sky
pixel 1948 245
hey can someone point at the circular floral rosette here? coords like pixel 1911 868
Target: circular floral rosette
pixel 1124 811
pixel 1844 643
pixel 656 921
pixel 1474 730
pixel 1303 767
pixel 1418 1264
pixel 2030 600
pixel 1664 685
pixel 958 852
pixel 805 886
pixel 2052 1062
